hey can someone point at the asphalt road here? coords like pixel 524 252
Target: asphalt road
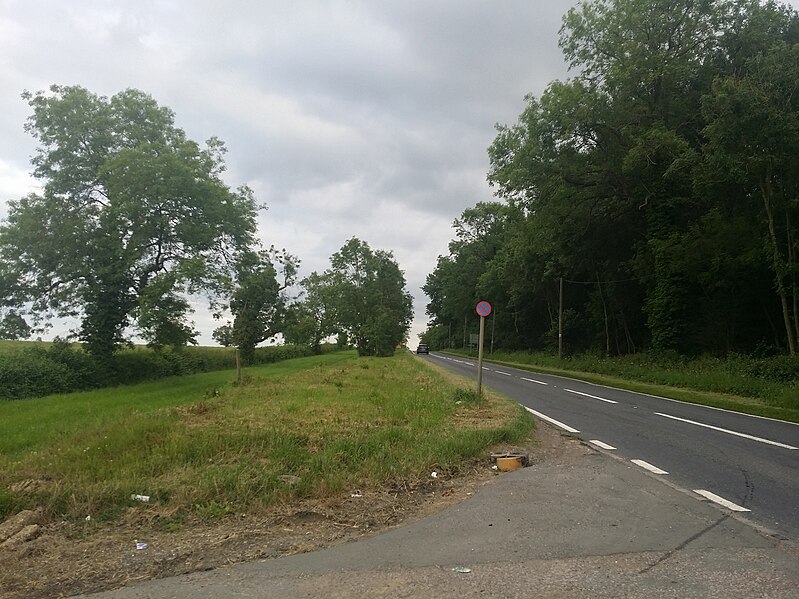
pixel 744 463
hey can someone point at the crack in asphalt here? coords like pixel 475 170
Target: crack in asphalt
pixel 684 544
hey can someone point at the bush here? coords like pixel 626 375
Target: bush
pixel 32 374
pixel 63 368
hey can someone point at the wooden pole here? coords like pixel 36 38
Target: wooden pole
pixel 560 320
pixel 480 357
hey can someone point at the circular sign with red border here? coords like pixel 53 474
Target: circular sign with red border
pixel 483 309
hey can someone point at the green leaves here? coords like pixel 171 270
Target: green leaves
pixel 661 182
pixel 132 215
pixel 363 295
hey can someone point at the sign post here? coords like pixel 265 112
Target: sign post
pixel 483 309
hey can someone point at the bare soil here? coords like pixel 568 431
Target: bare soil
pixel 65 559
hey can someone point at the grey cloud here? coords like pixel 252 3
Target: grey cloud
pixel 358 118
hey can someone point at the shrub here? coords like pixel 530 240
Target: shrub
pixel 62 368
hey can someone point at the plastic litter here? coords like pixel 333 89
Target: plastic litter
pixel 140 546
pixel 434 474
pixel 461 569
pixel 142 498
pixel 88 518
pixel 356 494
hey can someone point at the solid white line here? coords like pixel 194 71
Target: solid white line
pixel 565 427
pixel 591 396
pixel 648 466
pixel 602 445
pixel 505 373
pixel 729 432
pixel 721 501
pixel 534 381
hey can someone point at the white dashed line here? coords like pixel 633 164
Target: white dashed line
pixel 503 373
pixel 468 363
pixel 648 466
pixel 591 396
pixel 721 501
pixel 534 381
pixel 729 432
pixel 602 445
pixel 565 427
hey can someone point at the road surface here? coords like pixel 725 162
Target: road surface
pixel 745 463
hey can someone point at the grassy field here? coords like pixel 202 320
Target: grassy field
pixel 737 383
pixel 199 446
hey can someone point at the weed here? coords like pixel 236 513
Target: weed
pixel 466 396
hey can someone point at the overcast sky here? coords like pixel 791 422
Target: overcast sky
pixel 361 118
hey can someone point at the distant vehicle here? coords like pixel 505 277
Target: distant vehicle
pixel 422 349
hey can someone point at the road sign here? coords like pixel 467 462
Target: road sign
pixel 483 309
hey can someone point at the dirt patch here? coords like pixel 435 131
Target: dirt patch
pixel 66 559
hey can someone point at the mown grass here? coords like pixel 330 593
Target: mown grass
pixel 200 447
pixel 758 387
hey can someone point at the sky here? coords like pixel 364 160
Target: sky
pixel 365 118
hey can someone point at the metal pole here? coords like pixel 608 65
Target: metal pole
pixel 560 320
pixel 480 358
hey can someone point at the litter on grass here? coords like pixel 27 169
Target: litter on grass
pixel 461 569
pixel 140 546
pixel 142 498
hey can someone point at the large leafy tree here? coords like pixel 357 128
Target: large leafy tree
pixel 260 301
pixel 132 214
pixel 659 183
pixel 753 136
pixel 365 291
pixel 311 319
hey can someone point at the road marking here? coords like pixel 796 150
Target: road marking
pixel 721 501
pixel 504 373
pixel 602 445
pixel 468 363
pixel 534 381
pixel 484 368
pixel 565 427
pixel 729 432
pixel 591 396
pixel 648 466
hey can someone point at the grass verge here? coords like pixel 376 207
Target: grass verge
pixel 639 379
pixel 200 447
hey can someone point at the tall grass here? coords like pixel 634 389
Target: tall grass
pixel 201 447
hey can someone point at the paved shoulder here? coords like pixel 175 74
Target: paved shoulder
pixel 586 525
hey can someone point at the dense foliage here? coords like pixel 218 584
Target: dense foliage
pixel 361 297
pixel 660 183
pixel 132 216
pixel 62 368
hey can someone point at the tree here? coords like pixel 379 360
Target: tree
pixel 260 301
pixel 753 133
pixel 13 326
pixel 310 320
pixel 365 290
pixel 132 215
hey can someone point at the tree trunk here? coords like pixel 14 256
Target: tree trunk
pixel 605 310
pixel 768 195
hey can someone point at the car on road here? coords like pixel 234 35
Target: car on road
pixel 422 349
